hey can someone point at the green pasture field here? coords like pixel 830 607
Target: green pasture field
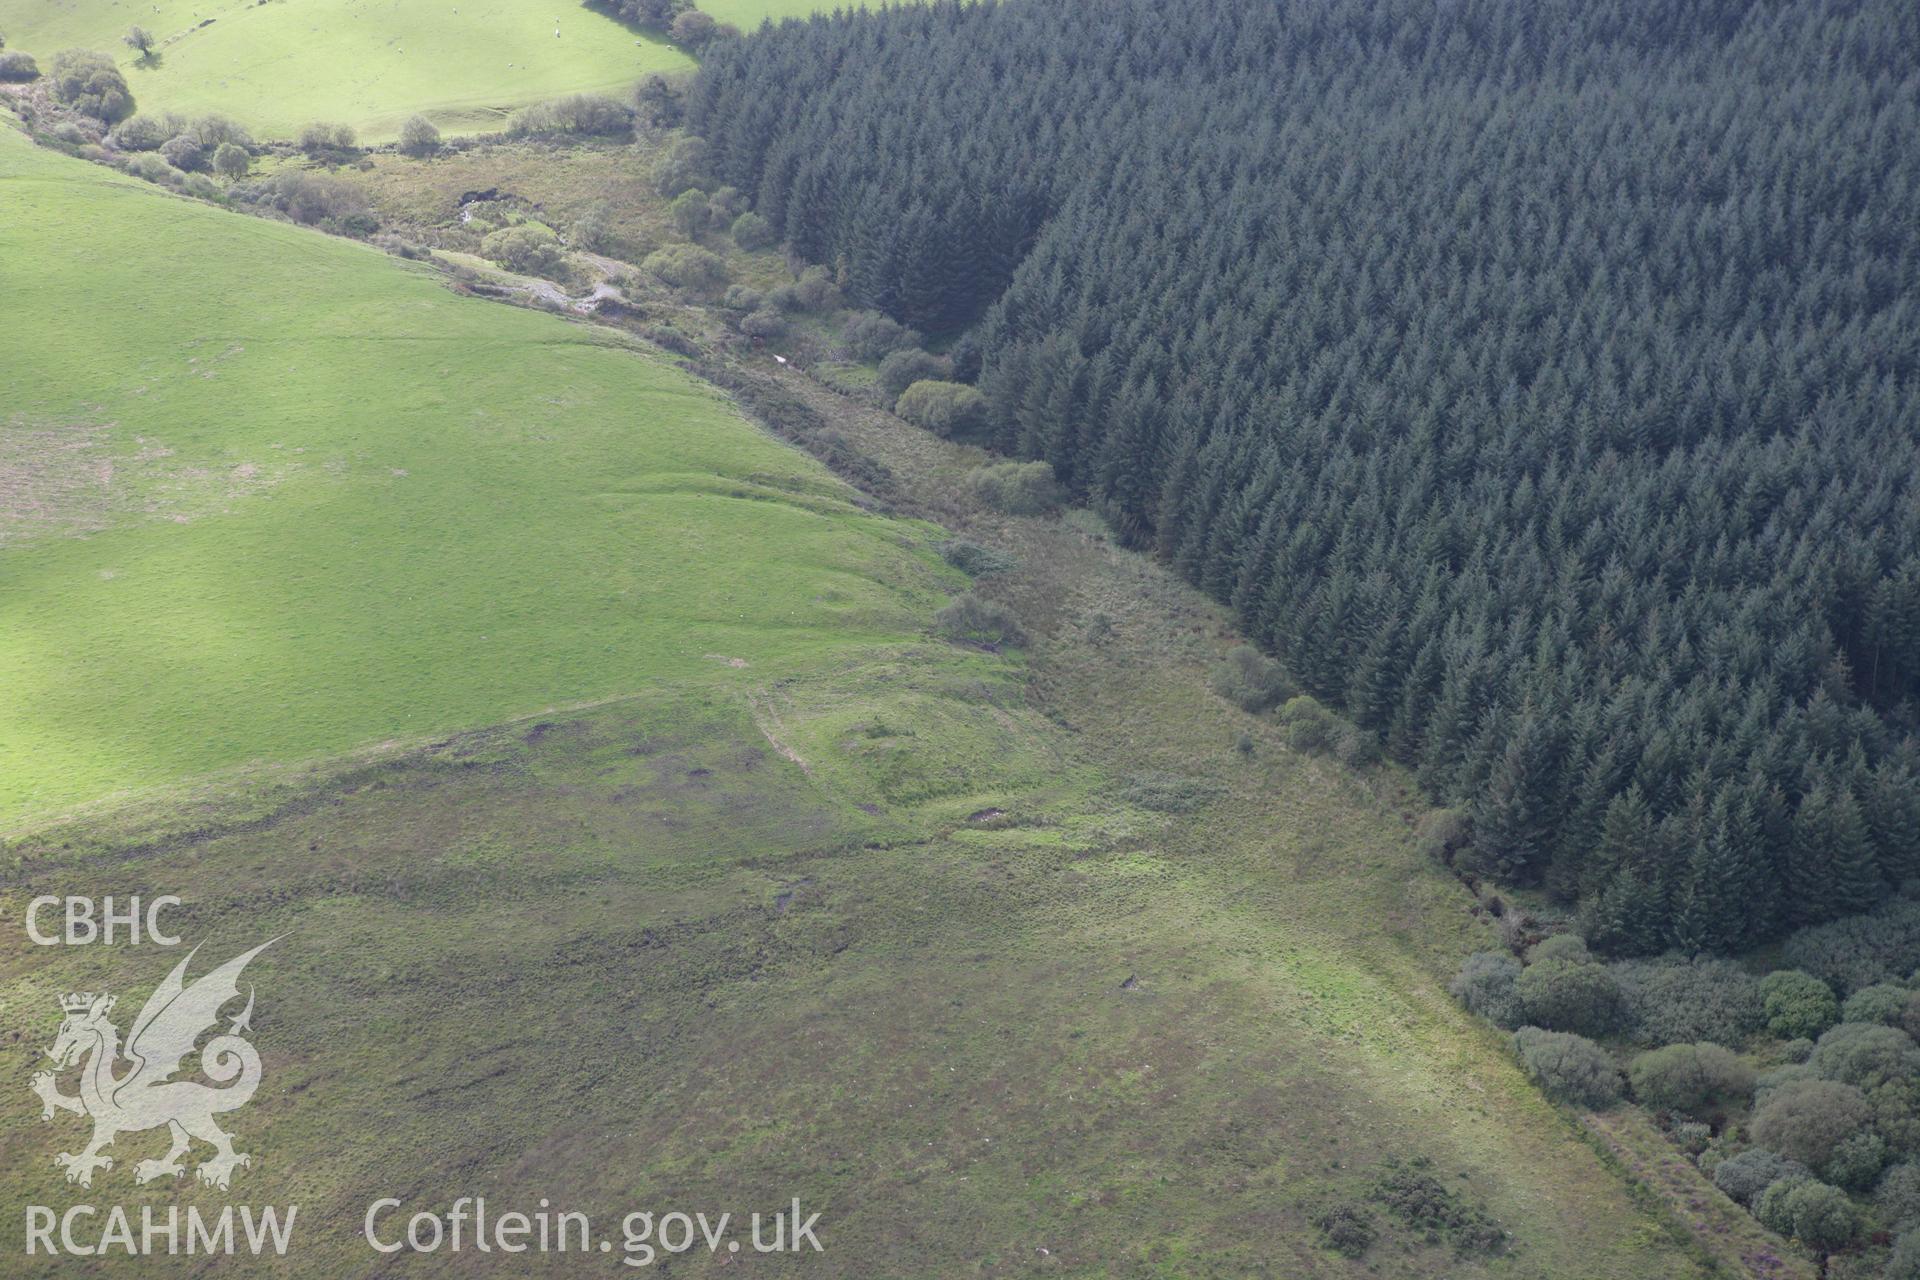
pixel 278 65
pixel 634 844
pixel 272 495
pixel 1003 970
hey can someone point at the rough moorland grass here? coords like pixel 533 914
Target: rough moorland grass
pixel 874 923
pixel 272 495
pixel 467 64
pixel 563 183
pixel 717 948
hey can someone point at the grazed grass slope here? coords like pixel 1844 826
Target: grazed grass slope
pixel 466 64
pixel 640 957
pixel 269 495
pixel 736 934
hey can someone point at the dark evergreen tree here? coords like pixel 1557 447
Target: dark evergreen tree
pixel 1537 379
pixel 1512 820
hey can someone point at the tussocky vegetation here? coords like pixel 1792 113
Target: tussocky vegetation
pixel 827 780
pixel 921 929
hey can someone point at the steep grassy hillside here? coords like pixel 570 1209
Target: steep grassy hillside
pixel 1153 1017
pixel 1047 965
pixel 370 63
pixel 269 495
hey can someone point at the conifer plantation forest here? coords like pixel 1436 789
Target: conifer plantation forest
pixel 896 640
pixel 1535 381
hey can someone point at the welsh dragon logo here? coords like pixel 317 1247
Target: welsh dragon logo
pixel 134 1092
